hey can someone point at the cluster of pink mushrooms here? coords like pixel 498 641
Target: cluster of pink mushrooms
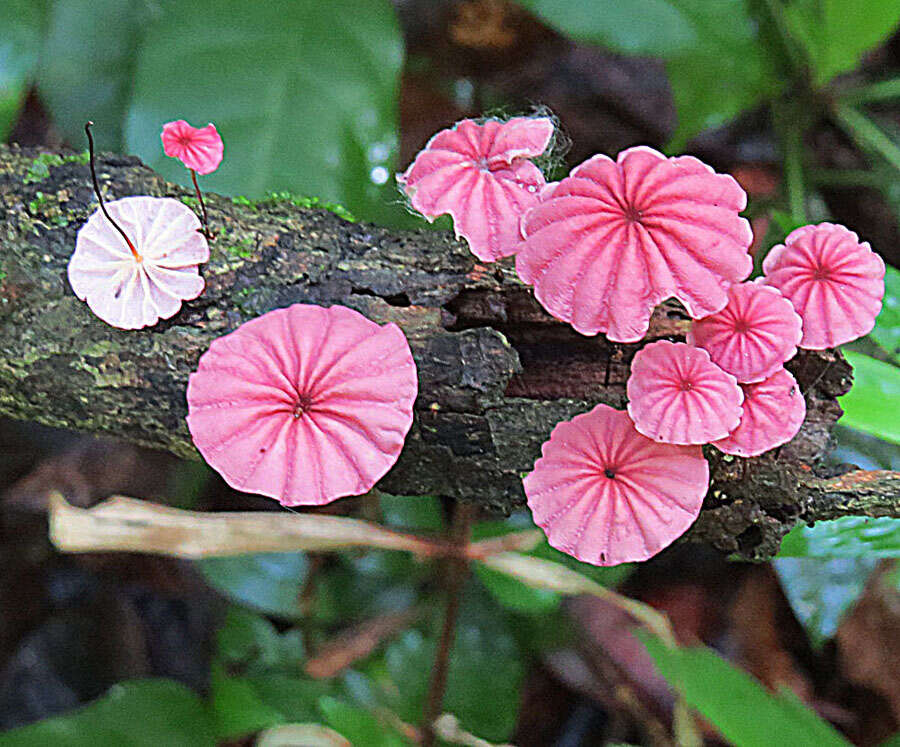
pixel 309 404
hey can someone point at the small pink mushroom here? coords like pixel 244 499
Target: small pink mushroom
pixel 753 335
pixel 835 283
pixel 133 285
pixel 774 410
pixel 605 494
pixel 304 404
pixel 616 238
pixel 480 175
pixel 677 395
pixel 198 148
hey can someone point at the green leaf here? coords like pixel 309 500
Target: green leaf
pixel 867 406
pixel 412 513
pixel 484 678
pixel 138 713
pixel 887 325
pixel 358 725
pixel 303 92
pixel 22 23
pixel 250 643
pixel 745 713
pixel 822 590
pixel 847 537
pixel 243 705
pixel 653 27
pixel 514 595
pixel 87 66
pixel 836 33
pixel 716 64
pixel 267 582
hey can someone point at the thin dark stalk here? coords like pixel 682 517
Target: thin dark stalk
pixel 457 568
pixel 204 218
pixel 90 137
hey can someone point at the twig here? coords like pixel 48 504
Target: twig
pixel 867 133
pixel 457 569
pixel 883 90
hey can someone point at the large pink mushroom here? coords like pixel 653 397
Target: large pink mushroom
pixel 834 281
pixel 774 410
pixel 616 238
pixel 605 494
pixel 304 404
pixel 677 395
pixel 753 335
pixel 481 176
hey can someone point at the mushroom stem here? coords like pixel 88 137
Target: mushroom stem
pixel 204 217
pixel 90 137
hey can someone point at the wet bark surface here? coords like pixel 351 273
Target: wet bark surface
pixel 496 373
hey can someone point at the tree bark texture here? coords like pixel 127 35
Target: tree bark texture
pixel 496 373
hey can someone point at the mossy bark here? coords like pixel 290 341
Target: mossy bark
pixel 495 372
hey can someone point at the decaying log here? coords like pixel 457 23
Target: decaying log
pixel 495 372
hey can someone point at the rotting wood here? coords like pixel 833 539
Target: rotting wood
pixel 495 372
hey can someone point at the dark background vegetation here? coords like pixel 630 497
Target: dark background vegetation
pixel 331 103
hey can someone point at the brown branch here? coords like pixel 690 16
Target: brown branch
pixel 495 372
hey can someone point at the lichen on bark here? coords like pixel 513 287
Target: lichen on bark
pixel 495 372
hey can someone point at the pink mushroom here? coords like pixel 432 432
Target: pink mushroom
pixel 753 335
pixel 198 148
pixel 774 410
pixel 135 284
pixel 615 238
pixel 677 395
pixel 304 404
pixel 605 494
pixel 480 174
pixel 835 283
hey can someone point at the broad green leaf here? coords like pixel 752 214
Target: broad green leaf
pixel 303 92
pixel 870 405
pixel 250 643
pixel 716 64
pixel 836 33
pixel 267 582
pixel 887 325
pixel 358 725
pixel 514 595
pixel 821 590
pixel 137 713
pixel 738 706
pixel 485 671
pixel 243 705
pixel 653 27
pixel 87 65
pixel 21 26
pixel 847 537
pixel 412 513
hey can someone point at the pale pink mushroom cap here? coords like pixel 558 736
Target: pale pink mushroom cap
pixel 677 395
pixel 304 404
pixel 753 335
pixel 605 494
pixel 480 175
pixel 131 294
pixel 198 148
pixel 835 283
pixel 774 410
pixel 616 238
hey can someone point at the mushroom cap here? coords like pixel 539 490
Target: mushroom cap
pixel 480 175
pixel 834 281
pixel 605 494
pixel 304 404
pixel 677 395
pixel 616 238
pixel 127 293
pixel 774 410
pixel 198 148
pixel 752 337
